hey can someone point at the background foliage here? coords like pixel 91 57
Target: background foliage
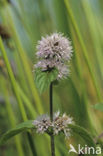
pixel 22 23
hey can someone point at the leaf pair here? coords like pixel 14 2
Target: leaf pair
pixel 29 125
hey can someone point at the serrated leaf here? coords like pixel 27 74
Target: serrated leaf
pixel 43 79
pixel 84 134
pixel 18 129
pixel 98 106
pixel 28 125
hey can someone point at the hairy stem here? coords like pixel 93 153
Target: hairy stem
pixel 51 117
pixel 51 102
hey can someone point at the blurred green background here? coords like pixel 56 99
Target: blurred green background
pixel 22 23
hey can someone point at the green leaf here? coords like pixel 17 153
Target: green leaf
pixel 98 106
pixel 84 134
pixel 28 125
pixel 43 79
pixel 18 129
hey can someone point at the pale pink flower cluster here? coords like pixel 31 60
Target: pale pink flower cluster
pixel 42 123
pixel 59 124
pixel 54 52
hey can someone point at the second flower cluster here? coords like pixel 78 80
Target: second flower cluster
pixel 59 124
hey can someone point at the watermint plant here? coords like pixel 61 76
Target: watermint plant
pixel 53 53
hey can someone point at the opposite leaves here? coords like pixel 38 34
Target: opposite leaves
pixel 29 125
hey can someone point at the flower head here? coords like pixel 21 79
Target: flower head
pixel 59 124
pixel 42 123
pixel 54 52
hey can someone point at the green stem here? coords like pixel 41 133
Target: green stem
pixel 25 63
pixel 84 49
pixel 14 85
pixel 12 79
pixel 27 102
pixel 31 144
pixel 51 117
pixel 12 119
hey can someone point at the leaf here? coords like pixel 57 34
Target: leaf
pixel 18 129
pixel 84 134
pixel 28 125
pixel 43 79
pixel 98 106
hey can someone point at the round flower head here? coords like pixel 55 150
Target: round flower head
pixel 54 52
pixel 42 123
pixel 59 124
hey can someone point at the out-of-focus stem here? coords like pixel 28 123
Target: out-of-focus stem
pixel 14 85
